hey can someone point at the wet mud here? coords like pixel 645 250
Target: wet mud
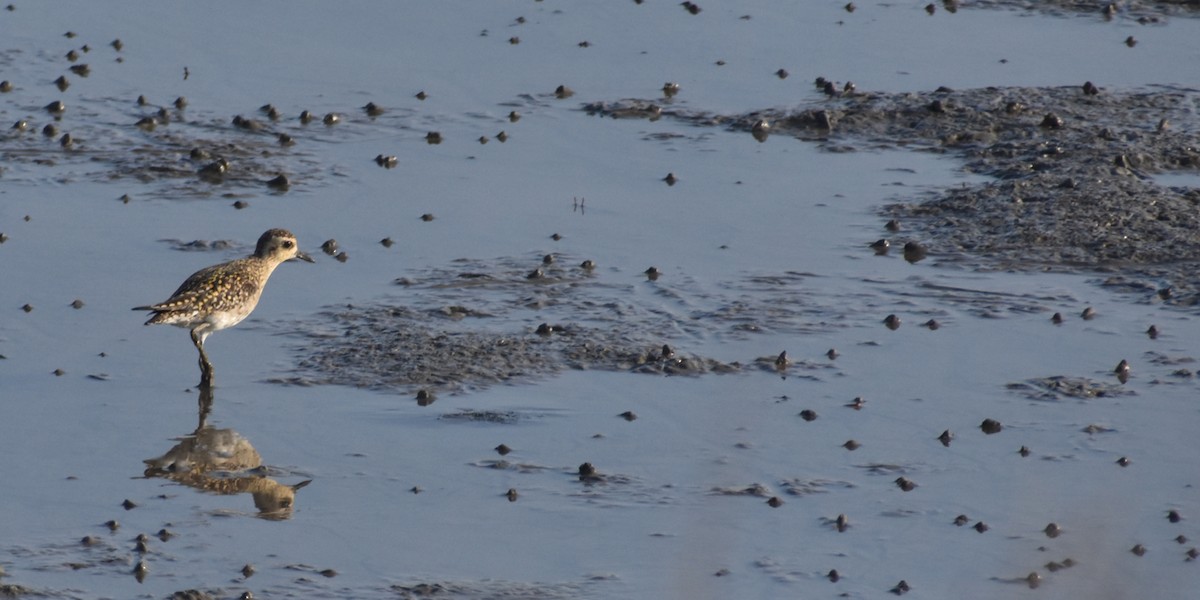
pixel 1072 173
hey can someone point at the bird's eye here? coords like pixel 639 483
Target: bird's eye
pixel 287 244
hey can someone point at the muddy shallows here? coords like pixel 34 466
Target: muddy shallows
pixel 1072 173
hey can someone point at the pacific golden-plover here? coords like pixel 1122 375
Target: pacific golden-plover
pixel 221 296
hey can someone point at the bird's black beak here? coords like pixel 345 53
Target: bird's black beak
pixel 304 257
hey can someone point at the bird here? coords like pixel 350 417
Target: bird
pixel 221 296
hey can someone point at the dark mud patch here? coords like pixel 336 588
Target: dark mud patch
pixel 480 323
pixel 201 245
pixel 391 348
pixel 504 465
pixel 795 486
pixel 756 490
pixel 483 416
pixel 481 590
pixel 1071 173
pixel 192 595
pixel 1158 358
pixel 807 487
pixel 1177 368
pixel 616 490
pixel 1061 387
pixel 10 590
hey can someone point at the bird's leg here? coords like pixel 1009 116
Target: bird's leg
pixel 206 368
pixel 205 406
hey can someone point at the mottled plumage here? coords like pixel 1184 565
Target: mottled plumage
pixel 221 296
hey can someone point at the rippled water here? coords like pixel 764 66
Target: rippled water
pixel 762 248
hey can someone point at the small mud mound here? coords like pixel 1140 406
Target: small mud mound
pixel 1072 171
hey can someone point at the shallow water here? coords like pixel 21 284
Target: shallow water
pixel 763 248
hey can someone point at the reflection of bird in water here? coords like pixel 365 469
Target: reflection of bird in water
pixel 221 461
pixel 221 296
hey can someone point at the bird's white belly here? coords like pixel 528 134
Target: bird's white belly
pixel 211 322
pixel 225 319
